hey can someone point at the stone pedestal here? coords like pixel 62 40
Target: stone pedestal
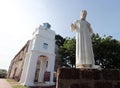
pixel 88 78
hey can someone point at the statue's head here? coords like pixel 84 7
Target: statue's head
pixel 83 14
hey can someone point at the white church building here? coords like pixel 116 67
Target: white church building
pixel 34 64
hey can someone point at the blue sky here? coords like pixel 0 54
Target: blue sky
pixel 19 18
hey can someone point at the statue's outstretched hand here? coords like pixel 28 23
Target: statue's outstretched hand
pixel 72 27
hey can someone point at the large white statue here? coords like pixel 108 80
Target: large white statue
pixel 84 51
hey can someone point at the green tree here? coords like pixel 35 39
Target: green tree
pixel 3 73
pixel 67 52
pixel 59 40
pixel 106 51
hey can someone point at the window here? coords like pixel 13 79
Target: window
pixel 45 46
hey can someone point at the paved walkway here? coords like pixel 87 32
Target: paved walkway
pixel 4 84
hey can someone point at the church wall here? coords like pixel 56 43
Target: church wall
pixel 16 65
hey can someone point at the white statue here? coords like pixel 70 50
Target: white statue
pixel 84 51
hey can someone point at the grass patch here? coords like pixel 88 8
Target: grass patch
pixel 10 80
pixel 19 86
pixel 15 84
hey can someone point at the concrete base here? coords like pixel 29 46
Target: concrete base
pixel 89 66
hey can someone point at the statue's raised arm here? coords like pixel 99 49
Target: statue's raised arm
pixel 72 27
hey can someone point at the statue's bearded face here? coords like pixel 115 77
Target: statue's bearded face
pixel 83 15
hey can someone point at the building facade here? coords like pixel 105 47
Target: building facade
pixel 34 64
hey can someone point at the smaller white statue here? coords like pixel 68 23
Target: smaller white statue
pixel 84 51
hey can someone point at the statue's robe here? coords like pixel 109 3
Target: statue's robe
pixel 84 51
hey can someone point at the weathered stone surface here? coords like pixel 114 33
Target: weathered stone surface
pixel 86 85
pixel 75 86
pixel 87 74
pixel 103 84
pixel 88 78
pixel 69 73
pixel 97 74
pixel 111 74
pixel 117 85
pixel 61 85
pixel 16 66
